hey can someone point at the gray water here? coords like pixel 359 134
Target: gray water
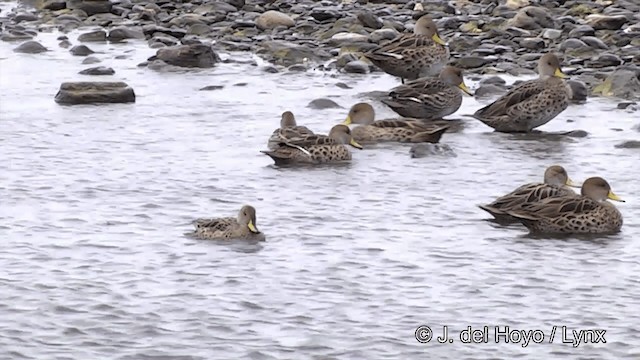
pixel 95 201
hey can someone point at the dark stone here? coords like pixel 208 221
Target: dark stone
pixel 582 30
pixel 579 90
pixel 270 69
pixel 90 60
pixel 323 103
pixel 150 29
pixel 356 67
pixel 625 104
pixel 212 87
pixel 30 47
pixel 65 44
pixel 324 14
pixel 471 62
pixel 493 80
pixel 630 144
pixel 198 55
pixel 603 22
pixel 81 50
pixel 99 70
pixel 93 36
pixel 532 43
pixel 91 7
pixel 55 5
pixel 369 19
pixel 77 93
pixel 606 60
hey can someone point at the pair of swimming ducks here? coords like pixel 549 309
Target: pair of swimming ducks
pixel 550 207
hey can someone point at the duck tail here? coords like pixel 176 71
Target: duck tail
pixel 430 136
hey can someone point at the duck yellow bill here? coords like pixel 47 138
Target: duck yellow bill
pixel 355 144
pixel 347 121
pixel 252 227
pixel 572 184
pixel 465 88
pixel 438 39
pixel 613 196
pixel 560 74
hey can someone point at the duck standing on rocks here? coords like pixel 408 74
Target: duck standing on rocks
pixel 229 228
pixel 429 98
pixel 532 103
pixel 589 213
pixel 316 149
pixel 412 56
pixel 288 130
pixel 556 182
pixel 407 131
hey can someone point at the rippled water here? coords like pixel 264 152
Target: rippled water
pixel 95 201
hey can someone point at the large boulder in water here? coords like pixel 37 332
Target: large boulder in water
pixel 623 83
pixel 77 93
pixel 194 55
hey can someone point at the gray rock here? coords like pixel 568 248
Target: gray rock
pixel 323 103
pixel 427 149
pixel 571 44
pixel 288 53
pixel 579 90
pixel 604 22
pixel 93 36
pixel 77 93
pixel 272 19
pixel 198 55
pixel 297 68
pixel 65 44
pixel 325 13
pixel 99 70
pixel 90 60
pixel 623 83
pixel 151 29
pixel 54 5
pixel 30 47
pixel 488 90
pixel 90 7
pixel 630 144
pixel 594 42
pixel 582 30
pixel 81 50
pixel 493 80
pixel 345 58
pixel 270 69
pixel 356 67
pixel 212 87
pixel 532 18
pixel 20 17
pixel 471 62
pixel 532 43
pixel 606 60
pixel 626 104
pixel 380 35
pixel 552 34
pixel 369 19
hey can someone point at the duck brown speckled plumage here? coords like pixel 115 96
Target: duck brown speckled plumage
pixel 429 98
pixel 556 182
pixel 412 56
pixel 409 131
pixel 588 213
pixel 532 103
pixel 229 228
pixel 288 130
pixel 316 149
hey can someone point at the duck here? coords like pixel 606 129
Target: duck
pixel 532 103
pixel 588 213
pixel 406 131
pixel 412 56
pixel 229 228
pixel 288 129
pixel 429 98
pixel 316 149
pixel 556 183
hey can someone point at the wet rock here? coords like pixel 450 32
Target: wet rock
pixel 356 67
pixel 626 104
pixel 579 91
pixel 604 22
pixel 323 103
pixel 90 60
pixel 471 62
pixel 488 90
pixel 288 53
pixel 325 13
pixel 582 30
pixel 272 19
pixel 426 149
pixel 345 58
pixel 76 93
pixel 380 35
pixel 297 68
pixel 99 70
pixel 30 47
pixel 605 60
pixel 81 50
pixel 630 144
pixel 493 80
pixel 594 42
pixel 532 43
pixel 151 29
pixel 532 18
pixel 197 55
pixel 369 19
pixel 623 83
pixel 270 69
pixel 93 36
pixel 552 34
pixel 212 87
pixel 576 134
pixel 572 44
pixel 65 44
pixel 90 7
pixel 16 36
pixel 55 5
pixel 123 33
pixel 18 18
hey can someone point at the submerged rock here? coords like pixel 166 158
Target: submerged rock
pixel 98 70
pixel 30 47
pixel 191 56
pixel 427 149
pixel 77 93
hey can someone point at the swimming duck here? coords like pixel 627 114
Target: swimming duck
pixel 228 228
pixel 532 103
pixel 429 98
pixel 316 149
pixel 289 129
pixel 370 130
pixel 411 56
pixel 589 213
pixel 556 182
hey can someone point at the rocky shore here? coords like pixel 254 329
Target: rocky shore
pixel 598 41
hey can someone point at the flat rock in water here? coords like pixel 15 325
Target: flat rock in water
pixel 93 36
pixel 630 144
pixel 98 70
pixel 30 47
pixel 322 103
pixel 272 19
pixel 77 93
pixel 191 56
